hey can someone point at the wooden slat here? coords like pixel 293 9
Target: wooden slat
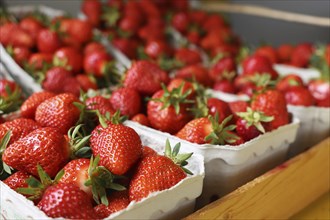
pixel 278 194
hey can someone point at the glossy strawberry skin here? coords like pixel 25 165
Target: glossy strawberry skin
pixel 43 146
pixel 224 86
pixel 141 119
pixel 180 21
pixel 146 77
pixel 218 106
pixel 196 71
pixel 37 60
pixel 71 57
pixel 272 103
pixel 258 64
pixel 237 106
pixel 19 128
pixel 86 82
pixel 226 64
pixel 68 201
pixel 154 173
pixel 196 130
pixel 17 180
pixel 21 55
pixel 30 105
pixel 127 101
pixel 246 132
pixel 284 53
pixel 48 41
pixel 166 119
pixel 301 55
pixel 92 9
pixel 289 81
pixel 269 52
pixel 320 90
pixel 100 103
pixel 92 60
pixel 118 146
pixel 54 79
pixel 58 112
pixel 300 96
pixel 31 25
pixel 188 56
pixel 118 200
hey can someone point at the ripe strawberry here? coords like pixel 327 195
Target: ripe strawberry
pixel 129 24
pixel 20 54
pixel 86 82
pixel 127 101
pixel 100 103
pixel 43 146
pixel 301 55
pixel 48 41
pixel 7 87
pixel 269 52
pixel 177 82
pixel 146 77
pixel 237 106
pixel 249 124
pixel 157 172
pixel 19 128
pixel 217 106
pixel 156 48
pixel 29 106
pixel 284 53
pixel 32 26
pixel 38 60
pixel 93 59
pixel 272 103
pixel 221 67
pixel 93 10
pixel 6 31
pixel 327 54
pixel 55 78
pixel 17 180
pixel 126 46
pixel 258 64
pixel 224 85
pixel 196 71
pixel 320 89
pixel 188 56
pixel 238 141
pixel 73 29
pixel 141 119
pixel 212 21
pixel 71 85
pixel 299 95
pixel 68 201
pixel 152 32
pixel 167 110
pixel 118 146
pixel 58 112
pixel 118 200
pixel 180 21
pixel 70 58
pixel 93 46
pixel 148 151
pixel 289 81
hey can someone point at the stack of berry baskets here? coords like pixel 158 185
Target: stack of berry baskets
pixel 57 144
pixel 43 49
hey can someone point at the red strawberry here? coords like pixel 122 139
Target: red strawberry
pixel 73 29
pixel 258 64
pixel 43 146
pixel 19 128
pixel 48 41
pixel 129 24
pixel 126 46
pixel 55 78
pixel 68 201
pixel 118 200
pixel 320 89
pixel 17 180
pixel 86 82
pixel 188 56
pixel 177 82
pixel 284 53
pixel 93 59
pixel 93 10
pixel 32 26
pixel 6 32
pixel 272 103
pixel 70 58
pixel 167 111
pixel 301 55
pixel 222 66
pixel 224 85
pixel 212 21
pixel 299 95
pixel 58 112
pixel 217 106
pixel 156 173
pixel 148 151
pixel 146 77
pixel 100 103
pixel 141 119
pixel 37 60
pixel 127 101
pixel 20 54
pixel 196 71
pixel 237 106
pixel 289 81
pixel 269 52
pixel 249 124
pixel 71 85
pixel 156 48
pixel 29 106
pixel 118 146
pixel 180 21
pixel 7 87
pixel 238 141
pixel 93 46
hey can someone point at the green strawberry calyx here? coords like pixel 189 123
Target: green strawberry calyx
pixel 255 118
pixel 78 142
pixel 4 168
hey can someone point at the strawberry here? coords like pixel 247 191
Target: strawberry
pixel 284 53
pixel 208 130
pixel 141 119
pixel 43 146
pixel 6 31
pixel 92 9
pixel 100 103
pixel 37 60
pixel 221 67
pixel 301 55
pixel 7 87
pixel 156 48
pixel 129 24
pixel 68 201
pixel 213 20
pixel 19 128
pixel 224 85
pixel 73 29
pixel 269 52
pixel 146 77
pixel 258 64
pixel 148 151
pixel 238 106
pixel 217 106
pixel 58 112
pixel 48 41
pixel 10 97
pixel 118 146
pixel 180 21
pixel 71 85
pixel 167 110
pixel 126 46
pixel 21 38
pixel 118 200
pixel 320 89
pixel 157 173
pixel 188 56
pixel 20 54
pixel 196 71
pixel 127 101
pixel 272 103
pixel 29 106
pixel 299 95
pixel 93 59
pixel 93 46
pixel 177 82
pixel 54 79
pixel 17 180
pixel 32 26
pixel 69 57
pixel 327 54
pixel 289 81
pixel 86 82
pixel 249 124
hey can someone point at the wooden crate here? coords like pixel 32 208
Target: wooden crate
pixel 279 193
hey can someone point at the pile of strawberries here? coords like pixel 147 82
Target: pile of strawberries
pixel 10 97
pixel 81 171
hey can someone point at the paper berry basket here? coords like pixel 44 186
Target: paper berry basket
pixel 174 203
pixel 228 167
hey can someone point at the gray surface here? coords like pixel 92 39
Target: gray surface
pixel 251 29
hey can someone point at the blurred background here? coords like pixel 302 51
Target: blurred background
pixel 252 29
